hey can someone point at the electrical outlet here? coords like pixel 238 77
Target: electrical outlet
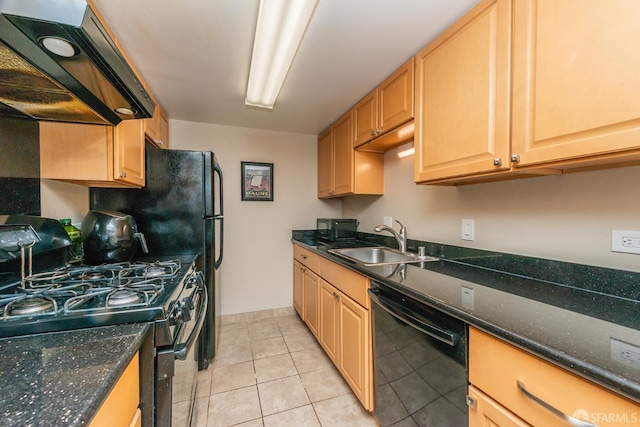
pixel 388 221
pixel 627 241
pixel 625 353
pixel 468 229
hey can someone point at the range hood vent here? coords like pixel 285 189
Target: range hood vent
pixel 88 80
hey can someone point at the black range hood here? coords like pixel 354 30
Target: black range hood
pixel 88 80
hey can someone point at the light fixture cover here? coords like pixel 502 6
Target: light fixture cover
pixel 279 30
pixel 406 149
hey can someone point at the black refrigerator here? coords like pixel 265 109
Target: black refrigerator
pixel 180 212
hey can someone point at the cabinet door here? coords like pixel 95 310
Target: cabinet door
pixel 575 79
pixel 70 151
pixel 129 152
pixel 325 164
pixel 343 155
pixel 462 96
pixel 329 304
pixel 311 291
pixel 395 98
pixel 488 413
pixel 163 129
pixel 365 119
pixel 298 293
pixel 354 360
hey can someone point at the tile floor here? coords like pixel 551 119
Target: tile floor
pixel 271 371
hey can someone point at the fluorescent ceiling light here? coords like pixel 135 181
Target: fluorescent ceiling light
pixel 406 150
pixel 279 30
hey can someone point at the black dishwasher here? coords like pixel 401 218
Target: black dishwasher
pixel 420 362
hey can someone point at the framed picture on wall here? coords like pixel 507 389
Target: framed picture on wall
pixel 257 181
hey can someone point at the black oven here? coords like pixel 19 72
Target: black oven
pixel 176 361
pixel 420 362
pixel 39 293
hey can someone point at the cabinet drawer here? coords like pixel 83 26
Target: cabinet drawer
pixel 349 282
pixel 496 367
pixel 307 258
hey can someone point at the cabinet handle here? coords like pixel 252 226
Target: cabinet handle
pixel 303 256
pixel 373 133
pixel 159 142
pixel 336 296
pixel 378 131
pixel 515 158
pixel 570 420
pixel 123 174
pixel 497 162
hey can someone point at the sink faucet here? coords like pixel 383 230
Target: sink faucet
pixel 401 237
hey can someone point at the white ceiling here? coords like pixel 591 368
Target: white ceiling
pixel 195 55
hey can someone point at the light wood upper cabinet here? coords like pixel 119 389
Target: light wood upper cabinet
pixel 157 128
pixel 462 96
pixel 93 155
pixel 343 171
pixel 365 118
pixel 343 155
pixel 325 164
pixel 386 107
pixel 575 79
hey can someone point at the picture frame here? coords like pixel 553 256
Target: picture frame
pixel 256 181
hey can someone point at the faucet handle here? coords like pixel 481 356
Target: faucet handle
pixel 402 227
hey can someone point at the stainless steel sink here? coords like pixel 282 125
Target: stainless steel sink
pixel 371 256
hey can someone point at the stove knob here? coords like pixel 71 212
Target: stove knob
pixel 186 305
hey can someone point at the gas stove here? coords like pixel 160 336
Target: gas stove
pixel 73 297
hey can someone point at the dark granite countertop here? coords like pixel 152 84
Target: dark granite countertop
pixel 569 314
pixel 62 378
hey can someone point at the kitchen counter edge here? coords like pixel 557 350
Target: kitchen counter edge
pixel 594 373
pixel 65 376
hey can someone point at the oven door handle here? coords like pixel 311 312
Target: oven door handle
pixel 180 350
pixel 411 319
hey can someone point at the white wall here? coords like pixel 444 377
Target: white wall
pixel 567 217
pixel 257 270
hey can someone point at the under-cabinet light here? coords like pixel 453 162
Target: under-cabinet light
pixel 279 30
pixel 406 149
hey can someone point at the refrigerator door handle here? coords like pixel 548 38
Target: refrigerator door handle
pixel 218 170
pixel 218 260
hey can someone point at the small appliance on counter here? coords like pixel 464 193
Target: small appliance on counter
pixel 42 242
pixel 110 236
pixel 333 229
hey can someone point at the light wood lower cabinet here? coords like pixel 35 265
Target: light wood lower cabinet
pixel 298 288
pixel 329 319
pixel 336 309
pixel 514 379
pixel 486 412
pixel 311 292
pixel 354 349
pixel 120 408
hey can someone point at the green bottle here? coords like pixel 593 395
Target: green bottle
pixel 76 239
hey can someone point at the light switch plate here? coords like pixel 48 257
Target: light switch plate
pixel 388 221
pixel 468 231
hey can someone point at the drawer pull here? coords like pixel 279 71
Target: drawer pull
pixel 570 420
pixel 304 256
